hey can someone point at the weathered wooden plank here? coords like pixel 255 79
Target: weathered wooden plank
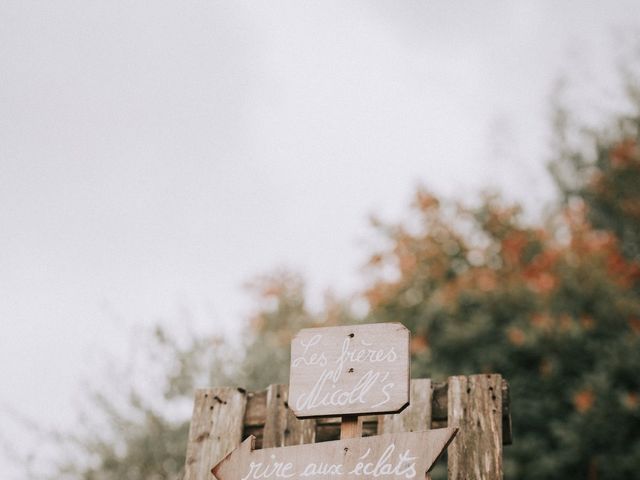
pixel 351 427
pixel 327 421
pixel 299 432
pixel 349 370
pixel 438 404
pixel 256 404
pixel 328 428
pixel 275 421
pixel 331 431
pixel 475 406
pixel 416 417
pixel 216 429
pixel 281 427
pixel 396 456
pixel 256 409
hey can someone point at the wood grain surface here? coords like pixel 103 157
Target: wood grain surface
pixel 216 423
pixel 216 429
pixel 350 370
pixel 394 456
pixel 475 406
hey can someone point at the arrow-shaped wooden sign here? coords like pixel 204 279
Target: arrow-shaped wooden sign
pixel 392 456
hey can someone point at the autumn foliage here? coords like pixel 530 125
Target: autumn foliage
pixel 554 309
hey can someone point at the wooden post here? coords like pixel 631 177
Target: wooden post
pixel 216 429
pixel 416 417
pixel 475 406
pixel 281 427
pixel 351 427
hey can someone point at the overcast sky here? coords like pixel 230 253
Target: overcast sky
pixel 154 156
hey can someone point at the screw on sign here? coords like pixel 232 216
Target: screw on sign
pixel 346 371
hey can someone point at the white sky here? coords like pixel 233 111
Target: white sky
pixel 157 155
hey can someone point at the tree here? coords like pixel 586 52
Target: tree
pixel 553 308
pixel 601 167
pixel 135 423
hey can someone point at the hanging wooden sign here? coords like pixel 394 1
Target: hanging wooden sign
pixel 349 370
pixel 398 456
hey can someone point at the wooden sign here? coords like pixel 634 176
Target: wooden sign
pixel 398 456
pixel 358 369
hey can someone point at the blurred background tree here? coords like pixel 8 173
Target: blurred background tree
pixel 601 168
pixel 553 309
pixel 553 306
